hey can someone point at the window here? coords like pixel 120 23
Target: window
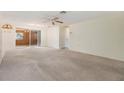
pixel 19 36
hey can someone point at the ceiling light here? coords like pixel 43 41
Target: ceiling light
pixel 7 26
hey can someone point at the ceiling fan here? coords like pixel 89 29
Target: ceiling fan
pixel 56 19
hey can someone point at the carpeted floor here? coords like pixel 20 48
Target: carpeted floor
pixel 51 64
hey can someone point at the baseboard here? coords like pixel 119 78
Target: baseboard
pixel 111 58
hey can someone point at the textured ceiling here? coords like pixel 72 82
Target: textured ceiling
pixel 39 17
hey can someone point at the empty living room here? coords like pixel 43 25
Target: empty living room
pixel 61 46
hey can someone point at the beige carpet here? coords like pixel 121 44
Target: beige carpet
pixel 52 64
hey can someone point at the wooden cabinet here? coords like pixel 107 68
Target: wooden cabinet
pixel 22 37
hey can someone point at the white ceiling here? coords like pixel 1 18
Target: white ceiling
pixel 25 18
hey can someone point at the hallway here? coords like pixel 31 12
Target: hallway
pixel 53 64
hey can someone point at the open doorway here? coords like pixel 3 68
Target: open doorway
pixel 67 38
pixel 28 38
pixel 35 38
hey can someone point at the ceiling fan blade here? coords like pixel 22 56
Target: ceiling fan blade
pixel 53 23
pixel 55 18
pixel 59 22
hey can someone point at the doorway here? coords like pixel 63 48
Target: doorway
pixel 67 38
pixel 26 37
pixel 35 38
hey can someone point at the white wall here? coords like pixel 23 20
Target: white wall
pixel 62 34
pixel 102 36
pixel 56 37
pixel 53 37
pixel 44 37
pixel 0 46
pixel 8 40
pixel 67 37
